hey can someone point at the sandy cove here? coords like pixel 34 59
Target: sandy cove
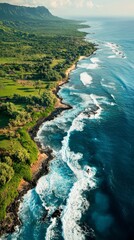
pixel 41 166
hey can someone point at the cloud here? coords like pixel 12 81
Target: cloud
pixel 83 3
pixel 90 4
pixel 79 4
pixel 59 3
pixel 53 3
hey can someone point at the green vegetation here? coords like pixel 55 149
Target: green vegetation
pixel 35 54
pixel 6 172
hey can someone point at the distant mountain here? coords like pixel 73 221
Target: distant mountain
pixel 13 13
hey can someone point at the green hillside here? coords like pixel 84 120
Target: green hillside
pixel 12 12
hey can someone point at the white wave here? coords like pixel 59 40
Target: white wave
pixel 97 113
pixel 92 99
pixel 76 203
pixel 51 229
pixel 112 56
pixel 93 65
pixel 95 60
pixel 72 87
pixel 113 97
pixel 85 78
pixel 28 209
pixel 77 123
pixel 50 188
pixel 108 86
pixel 88 66
pixel 113 104
pixel 76 206
pixel 59 122
pixel 116 50
pixel 29 205
pixel 67 155
pixel 85 97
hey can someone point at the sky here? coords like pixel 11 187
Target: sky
pixel 82 7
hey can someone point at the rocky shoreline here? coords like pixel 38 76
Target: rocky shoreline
pixel 12 220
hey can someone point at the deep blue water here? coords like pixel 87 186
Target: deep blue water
pixel 92 175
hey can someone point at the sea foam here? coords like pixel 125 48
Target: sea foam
pixel 95 60
pixel 108 85
pixel 51 229
pixel 85 78
pixel 76 203
pixel 116 50
pixel 76 206
pixel 93 65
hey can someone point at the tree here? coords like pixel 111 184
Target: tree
pixel 9 108
pixel 8 160
pixel 6 173
pixel 21 155
pixel 38 85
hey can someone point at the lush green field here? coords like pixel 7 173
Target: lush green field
pixel 9 87
pixel 34 57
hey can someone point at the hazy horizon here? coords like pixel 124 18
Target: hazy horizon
pixel 87 8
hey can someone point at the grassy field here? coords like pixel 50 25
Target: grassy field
pixel 55 62
pixel 9 87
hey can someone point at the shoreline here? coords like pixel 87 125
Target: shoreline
pixel 41 166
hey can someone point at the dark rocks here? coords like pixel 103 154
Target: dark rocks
pixel 11 220
pixel 57 213
pixel 44 217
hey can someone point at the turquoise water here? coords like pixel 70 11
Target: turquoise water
pixel 91 178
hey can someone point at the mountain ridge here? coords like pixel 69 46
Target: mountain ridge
pixel 14 12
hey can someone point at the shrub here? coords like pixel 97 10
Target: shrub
pixel 21 155
pixel 29 145
pixel 6 173
pixel 8 160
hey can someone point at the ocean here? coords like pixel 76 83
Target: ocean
pixel 91 179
